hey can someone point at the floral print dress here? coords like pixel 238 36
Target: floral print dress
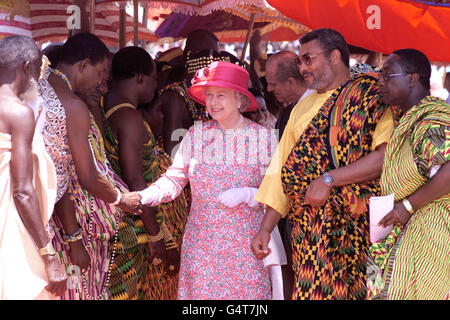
pixel 216 258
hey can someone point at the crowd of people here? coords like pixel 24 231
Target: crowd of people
pixel 193 175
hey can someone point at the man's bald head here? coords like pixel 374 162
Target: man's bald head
pixel 284 78
pixel 285 65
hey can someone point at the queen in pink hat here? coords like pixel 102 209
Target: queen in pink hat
pixel 223 89
pixel 224 160
pixel 223 77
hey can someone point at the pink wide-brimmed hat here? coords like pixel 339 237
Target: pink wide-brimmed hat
pixel 224 75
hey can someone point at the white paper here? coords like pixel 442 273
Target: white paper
pixel 433 170
pixel 378 208
pixel 277 256
pixel 277 283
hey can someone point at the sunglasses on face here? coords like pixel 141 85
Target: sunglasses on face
pixel 307 58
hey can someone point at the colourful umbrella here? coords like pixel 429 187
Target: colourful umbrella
pixel 48 21
pixel 231 25
pixel 198 7
pixel 379 25
pixel 274 31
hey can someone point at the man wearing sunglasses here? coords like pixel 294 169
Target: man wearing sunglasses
pixel 325 169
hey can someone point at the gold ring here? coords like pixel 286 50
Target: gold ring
pixel 171 268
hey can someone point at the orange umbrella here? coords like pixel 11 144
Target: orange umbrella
pixel 379 25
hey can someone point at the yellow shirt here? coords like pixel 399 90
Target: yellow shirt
pixel 271 190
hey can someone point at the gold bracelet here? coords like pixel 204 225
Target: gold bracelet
pixel 156 238
pixel 408 206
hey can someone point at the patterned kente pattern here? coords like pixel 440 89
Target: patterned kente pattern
pixel 330 243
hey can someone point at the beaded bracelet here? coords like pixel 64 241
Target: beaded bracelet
pixel 77 235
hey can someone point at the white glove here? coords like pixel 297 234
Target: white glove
pixel 233 197
pixel 148 196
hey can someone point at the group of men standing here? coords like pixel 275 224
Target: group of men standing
pixel 334 131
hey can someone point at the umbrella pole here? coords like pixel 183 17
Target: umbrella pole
pixel 247 37
pixel 122 17
pixel 135 23
pixel 145 16
pixel 444 75
pixel 92 13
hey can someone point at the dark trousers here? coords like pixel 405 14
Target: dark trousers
pixel 286 270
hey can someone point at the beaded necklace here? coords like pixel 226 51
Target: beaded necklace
pixel 97 149
pixel 99 153
pixel 62 76
pixel 111 261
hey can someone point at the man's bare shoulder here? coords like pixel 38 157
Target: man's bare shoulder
pixel 171 97
pixel 14 111
pixel 74 106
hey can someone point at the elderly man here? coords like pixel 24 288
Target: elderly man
pixel 286 83
pixel 325 169
pixel 29 268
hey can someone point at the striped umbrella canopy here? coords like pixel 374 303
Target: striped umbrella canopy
pixel 273 32
pixel 232 24
pixel 49 20
pixel 379 25
pixel 191 7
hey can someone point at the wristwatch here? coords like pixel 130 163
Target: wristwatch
pixel 328 179
pixel 47 250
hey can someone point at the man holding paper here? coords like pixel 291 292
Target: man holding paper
pixel 414 258
pixel 325 169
